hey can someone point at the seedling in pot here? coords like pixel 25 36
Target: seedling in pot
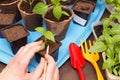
pixel 48 39
pixel 42 8
pixel 47 34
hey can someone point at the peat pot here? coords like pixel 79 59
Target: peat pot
pixel 53 49
pixel 16 35
pixel 58 27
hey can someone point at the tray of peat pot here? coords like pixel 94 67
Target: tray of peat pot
pixel 16 35
pixel 75 33
pixel 82 10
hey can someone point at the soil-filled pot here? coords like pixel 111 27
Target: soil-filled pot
pixel 10 6
pixel 58 27
pixel 5 20
pixel 53 49
pixel 16 35
pixel 82 10
pixel 30 19
pixel 109 76
pixel 97 29
pixel 67 2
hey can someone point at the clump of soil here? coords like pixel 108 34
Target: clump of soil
pixel 84 7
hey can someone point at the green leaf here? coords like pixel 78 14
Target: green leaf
pixel 57 12
pixel 116 15
pixel 98 47
pixel 65 13
pixel 115 29
pixel 115 71
pixel 42 46
pixel 109 1
pixel 40 8
pixel 56 2
pixel 106 22
pixel 116 39
pixel 108 63
pixel 40 30
pixel 50 36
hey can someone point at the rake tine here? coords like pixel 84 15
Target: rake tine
pixel 90 44
pixel 86 47
pixel 82 47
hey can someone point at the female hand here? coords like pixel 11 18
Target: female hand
pixel 17 69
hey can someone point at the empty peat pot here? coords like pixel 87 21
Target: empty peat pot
pixel 16 35
pixel 53 49
pixel 10 5
pixel 82 10
pixel 6 19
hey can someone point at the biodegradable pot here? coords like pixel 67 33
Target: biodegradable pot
pixel 10 6
pixel 16 35
pixel 53 49
pixel 30 19
pixel 5 20
pixel 97 29
pixel 68 2
pixel 82 10
pixel 109 76
pixel 58 27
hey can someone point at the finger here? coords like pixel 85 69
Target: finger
pixel 37 73
pixel 28 47
pixel 27 53
pixel 56 75
pixel 50 68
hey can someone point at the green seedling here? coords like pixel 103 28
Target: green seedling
pixel 42 8
pixel 109 41
pixel 47 34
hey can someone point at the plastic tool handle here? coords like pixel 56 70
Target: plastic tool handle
pixel 80 72
pixel 99 74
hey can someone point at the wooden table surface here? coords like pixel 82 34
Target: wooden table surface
pixel 67 72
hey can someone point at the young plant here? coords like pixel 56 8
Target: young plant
pixel 47 34
pixel 109 41
pixel 30 2
pixel 42 8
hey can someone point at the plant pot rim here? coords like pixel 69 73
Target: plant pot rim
pixel 9 3
pixel 24 12
pixel 108 74
pixel 70 17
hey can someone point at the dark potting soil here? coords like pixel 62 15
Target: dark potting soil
pixel 7 18
pixel 50 16
pixel 98 30
pixel 84 7
pixel 6 1
pixel 26 7
pixel 14 33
